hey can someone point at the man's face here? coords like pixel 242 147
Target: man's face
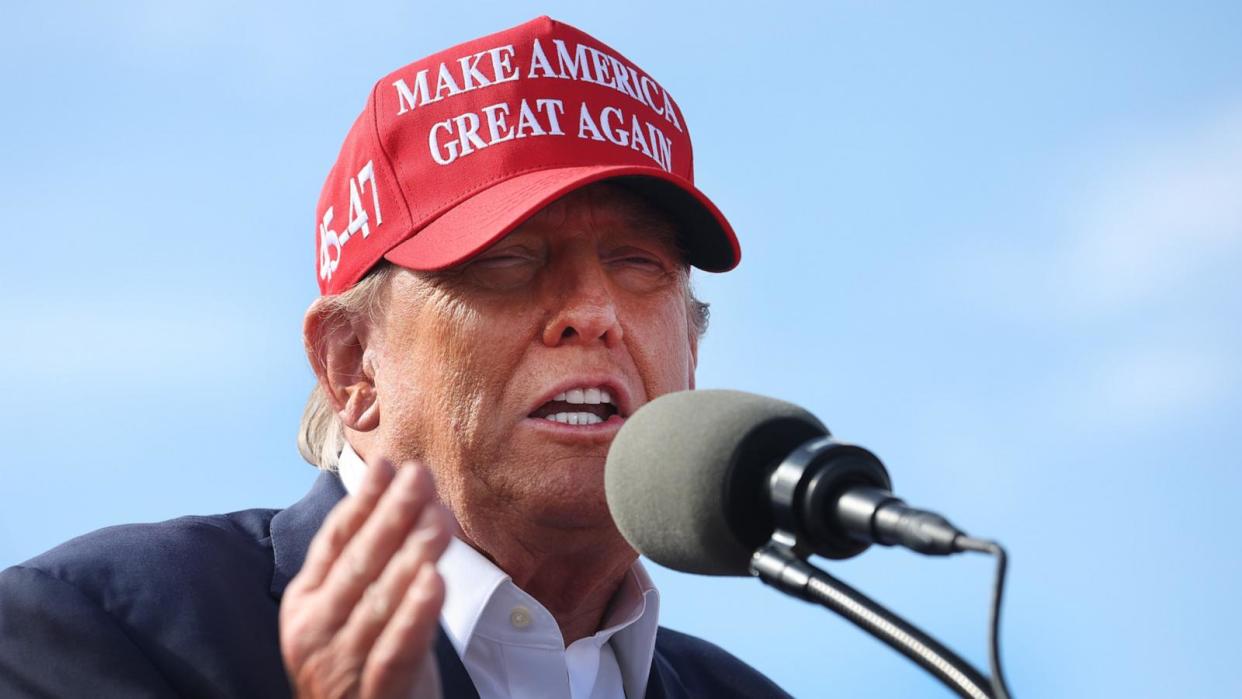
pixel 586 298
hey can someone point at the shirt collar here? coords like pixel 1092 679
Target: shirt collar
pixel 479 595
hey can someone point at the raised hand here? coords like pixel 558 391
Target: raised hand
pixel 360 619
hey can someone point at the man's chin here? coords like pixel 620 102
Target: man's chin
pixel 548 481
pixel 568 500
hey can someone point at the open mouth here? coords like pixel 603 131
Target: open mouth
pixel 578 406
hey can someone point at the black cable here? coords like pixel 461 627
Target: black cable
pixel 1000 689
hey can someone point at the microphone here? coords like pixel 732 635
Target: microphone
pixel 699 480
pixel 720 482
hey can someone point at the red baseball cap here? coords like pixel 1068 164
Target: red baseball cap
pixel 454 151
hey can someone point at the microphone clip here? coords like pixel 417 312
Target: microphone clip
pixel 804 492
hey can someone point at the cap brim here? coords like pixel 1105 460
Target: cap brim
pixel 487 216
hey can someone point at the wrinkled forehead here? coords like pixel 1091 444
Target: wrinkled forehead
pixel 607 204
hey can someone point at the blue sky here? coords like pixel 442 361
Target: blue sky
pixel 997 245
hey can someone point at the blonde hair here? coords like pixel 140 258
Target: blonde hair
pixel 321 435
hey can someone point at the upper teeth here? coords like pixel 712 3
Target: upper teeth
pixel 587 396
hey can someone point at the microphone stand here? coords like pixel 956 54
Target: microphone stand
pixel 813 475
pixel 777 564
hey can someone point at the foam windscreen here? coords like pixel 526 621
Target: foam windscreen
pixel 686 476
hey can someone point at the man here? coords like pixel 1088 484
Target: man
pixel 503 249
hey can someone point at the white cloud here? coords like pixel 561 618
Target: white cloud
pixel 1150 217
pixel 1162 222
pixel 1166 210
pixel 1135 294
pixel 1146 385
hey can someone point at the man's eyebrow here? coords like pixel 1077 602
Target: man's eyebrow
pixel 653 223
pixel 659 225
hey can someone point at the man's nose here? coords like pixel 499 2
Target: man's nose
pixel 583 308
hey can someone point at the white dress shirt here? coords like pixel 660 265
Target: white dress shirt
pixel 512 646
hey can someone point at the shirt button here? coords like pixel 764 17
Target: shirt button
pixel 520 617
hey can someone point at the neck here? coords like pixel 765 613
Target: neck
pixel 574 576
pixel 573 570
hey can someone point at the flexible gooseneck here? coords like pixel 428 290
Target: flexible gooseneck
pixel 825 475
pixel 777 566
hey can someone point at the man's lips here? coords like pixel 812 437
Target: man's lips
pixel 604 429
pixel 583 402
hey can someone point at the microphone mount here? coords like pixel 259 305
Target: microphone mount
pixel 835 499
pixel 811 480
pixel 832 499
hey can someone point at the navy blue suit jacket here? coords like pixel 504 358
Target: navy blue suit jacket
pixel 188 608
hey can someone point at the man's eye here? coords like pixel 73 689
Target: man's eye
pixel 502 261
pixel 640 273
pixel 503 271
pixel 639 262
pixel 643 262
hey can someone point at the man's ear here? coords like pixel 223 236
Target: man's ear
pixel 338 352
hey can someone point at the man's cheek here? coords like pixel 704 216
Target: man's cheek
pixel 461 338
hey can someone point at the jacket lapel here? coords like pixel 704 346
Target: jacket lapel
pixel 663 682
pixel 454 681
pixel 295 526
